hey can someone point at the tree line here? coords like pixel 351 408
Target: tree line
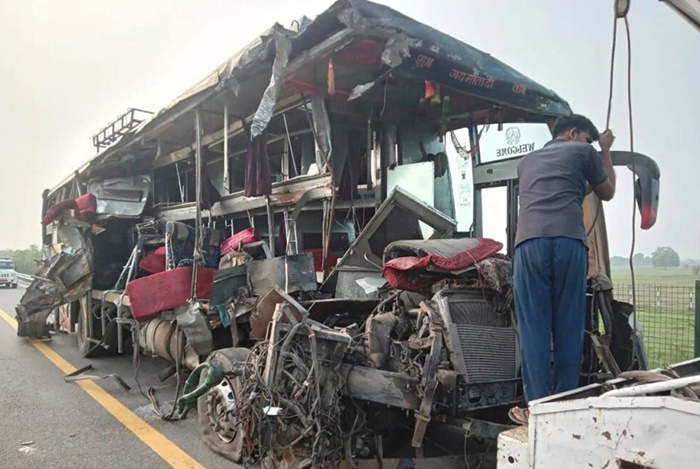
pixel 663 257
pixel 25 259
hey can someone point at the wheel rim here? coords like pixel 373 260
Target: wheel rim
pixel 221 401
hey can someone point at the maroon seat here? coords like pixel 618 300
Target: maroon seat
pixel 149 296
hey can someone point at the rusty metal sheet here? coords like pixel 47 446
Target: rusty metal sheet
pixel 64 277
pixel 291 273
pixel 265 309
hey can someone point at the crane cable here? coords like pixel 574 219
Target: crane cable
pixel 634 204
pixel 599 205
pixel 621 13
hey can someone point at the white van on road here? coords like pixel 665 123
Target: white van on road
pixel 8 275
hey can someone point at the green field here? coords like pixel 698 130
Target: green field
pixel 649 275
pixel 668 335
pixel 666 307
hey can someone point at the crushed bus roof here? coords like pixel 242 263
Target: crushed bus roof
pixel 409 48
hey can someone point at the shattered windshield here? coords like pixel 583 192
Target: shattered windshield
pixel 452 190
pixel 419 143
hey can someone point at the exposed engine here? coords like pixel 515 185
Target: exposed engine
pixel 311 394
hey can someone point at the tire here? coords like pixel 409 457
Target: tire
pixel 228 441
pixel 14 285
pixel 88 348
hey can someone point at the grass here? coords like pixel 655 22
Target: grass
pixel 649 275
pixel 666 309
pixel 668 334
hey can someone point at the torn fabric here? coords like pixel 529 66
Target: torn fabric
pixel 415 271
pixel 257 175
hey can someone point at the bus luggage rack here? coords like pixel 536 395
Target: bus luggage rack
pixel 119 127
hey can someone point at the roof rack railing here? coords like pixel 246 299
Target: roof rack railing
pixel 119 127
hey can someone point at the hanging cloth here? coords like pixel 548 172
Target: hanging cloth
pixel 282 238
pixel 210 195
pixel 257 175
pixel 350 177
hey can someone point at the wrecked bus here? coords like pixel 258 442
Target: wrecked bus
pixel 309 233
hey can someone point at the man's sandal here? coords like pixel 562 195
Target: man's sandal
pixel 519 415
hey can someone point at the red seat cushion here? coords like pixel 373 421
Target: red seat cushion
pixel 247 236
pixel 406 273
pixel 87 207
pixel 154 262
pixel 149 296
pixel 53 212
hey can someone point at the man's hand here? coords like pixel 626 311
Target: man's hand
pixel 606 140
pixel 606 191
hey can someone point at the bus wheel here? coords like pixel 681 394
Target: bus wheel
pixel 221 431
pixel 89 344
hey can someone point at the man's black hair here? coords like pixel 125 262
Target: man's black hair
pixel 578 122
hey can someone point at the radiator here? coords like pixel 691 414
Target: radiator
pixel 489 352
pixel 482 344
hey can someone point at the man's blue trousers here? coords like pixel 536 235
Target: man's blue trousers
pixel 550 306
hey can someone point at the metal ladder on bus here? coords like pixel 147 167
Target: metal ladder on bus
pixel 290 228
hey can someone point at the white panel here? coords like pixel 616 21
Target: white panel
pixel 418 180
pixel 658 432
pixel 494 205
pixel 462 173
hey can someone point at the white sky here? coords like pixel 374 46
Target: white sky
pixel 68 67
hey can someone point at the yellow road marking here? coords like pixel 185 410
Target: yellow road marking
pixel 155 440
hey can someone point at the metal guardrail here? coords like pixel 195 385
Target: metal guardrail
pixel 24 278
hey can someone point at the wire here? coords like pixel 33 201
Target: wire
pixel 599 206
pixel 634 173
pixel 178 385
pixel 631 130
pixel 150 393
pixel 612 72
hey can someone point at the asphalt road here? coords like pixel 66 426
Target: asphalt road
pixel 46 422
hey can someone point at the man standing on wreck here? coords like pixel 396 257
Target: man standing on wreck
pixel 551 255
